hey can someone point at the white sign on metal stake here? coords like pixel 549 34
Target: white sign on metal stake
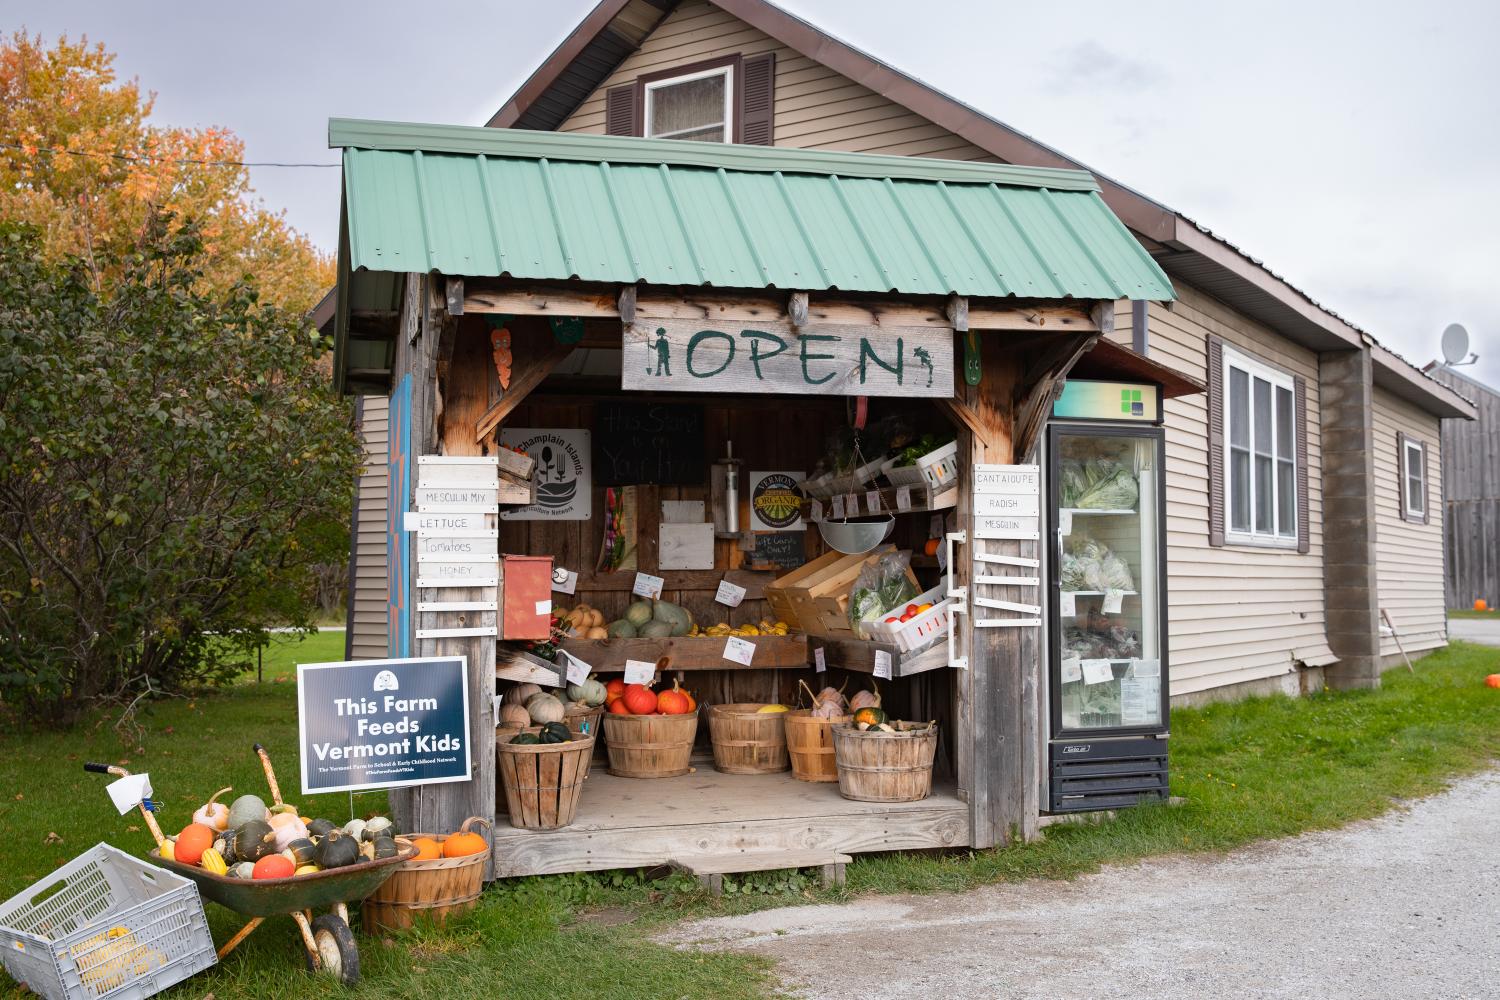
pixel 1022 479
pixel 448 524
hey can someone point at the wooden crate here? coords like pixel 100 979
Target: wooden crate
pixel 815 598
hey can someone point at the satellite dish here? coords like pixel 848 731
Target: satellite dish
pixel 1455 344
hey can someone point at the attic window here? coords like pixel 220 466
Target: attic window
pixel 694 106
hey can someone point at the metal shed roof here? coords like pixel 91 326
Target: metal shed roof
pixel 490 202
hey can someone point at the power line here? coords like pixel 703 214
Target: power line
pixel 129 158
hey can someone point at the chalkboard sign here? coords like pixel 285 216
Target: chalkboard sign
pixel 649 443
pixel 779 550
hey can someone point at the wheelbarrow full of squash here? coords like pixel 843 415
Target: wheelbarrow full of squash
pixel 348 877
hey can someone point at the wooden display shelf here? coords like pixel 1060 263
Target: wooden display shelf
pixel 923 500
pixel 858 655
pixel 690 652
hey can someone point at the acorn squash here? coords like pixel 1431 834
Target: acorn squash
pixel 337 850
pixel 320 827
pixel 554 732
pixel 870 715
pixel 304 851
pixel 525 740
pixel 254 840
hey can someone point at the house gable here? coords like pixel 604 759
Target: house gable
pixel 815 106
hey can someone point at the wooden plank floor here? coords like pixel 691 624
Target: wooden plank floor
pixel 631 822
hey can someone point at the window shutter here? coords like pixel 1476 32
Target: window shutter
pixel 1426 488
pixel 1215 441
pixel 757 99
pixel 620 116
pixel 1299 401
pixel 1401 471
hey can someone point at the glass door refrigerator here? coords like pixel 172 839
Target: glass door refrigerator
pixel 1107 682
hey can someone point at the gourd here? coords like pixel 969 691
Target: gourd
pixel 385 847
pixel 590 693
pixel 673 701
pixel 525 740
pixel 639 700
pixel 521 692
pixel 613 690
pixel 554 732
pixel 288 828
pixel 864 699
pixel 194 839
pixel 272 866
pixel 213 813
pixel 427 848
pixel 213 861
pixel 513 715
pixel 306 870
pixel 377 827
pixel 617 707
pixel 304 851
pixel 465 842
pixel 168 850
pixel 1493 680
pixel 621 629
pixel 638 613
pixel 337 850
pixel 544 708
pixel 596 632
pixel 870 715
pixel 320 827
pixel 355 828
pixel 245 809
pixel 245 869
pixel 254 840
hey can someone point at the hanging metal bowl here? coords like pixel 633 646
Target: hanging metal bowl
pixel 858 536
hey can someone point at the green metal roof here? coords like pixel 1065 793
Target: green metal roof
pixel 538 205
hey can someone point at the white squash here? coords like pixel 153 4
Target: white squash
pixel 545 708
pixel 513 715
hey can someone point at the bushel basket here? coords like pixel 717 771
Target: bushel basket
pixel 809 744
pixel 437 888
pixel 746 740
pixel 650 746
pixel 876 766
pixel 543 781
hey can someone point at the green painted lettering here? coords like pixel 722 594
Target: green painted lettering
pixel 698 338
pixel 756 336
pixel 808 338
pixel 866 352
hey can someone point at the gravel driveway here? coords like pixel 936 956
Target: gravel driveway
pixel 1405 906
pixel 1481 630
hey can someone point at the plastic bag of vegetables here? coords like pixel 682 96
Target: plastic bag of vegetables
pixel 882 584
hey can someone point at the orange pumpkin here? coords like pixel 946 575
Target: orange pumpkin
pixel 639 700
pixel 1493 680
pixel 273 866
pixel 427 849
pixel 617 707
pixel 465 842
pixel 194 839
pixel 613 690
pixel 674 701
pixel 1480 604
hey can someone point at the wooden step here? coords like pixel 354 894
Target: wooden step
pixel 710 869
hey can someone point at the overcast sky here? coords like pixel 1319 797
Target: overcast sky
pixel 1350 145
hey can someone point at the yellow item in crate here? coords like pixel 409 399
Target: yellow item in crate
pixel 771 709
pixel 109 960
pixel 213 861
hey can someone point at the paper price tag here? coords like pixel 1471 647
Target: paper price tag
pixel 129 791
pixel 1112 601
pixel 564 581
pixel 1145 668
pixel 1067 605
pixel 578 671
pixel 639 671
pixel 1072 670
pixel 495 701
pixel 1065 522
pixel 903 498
pixel 729 594
pixel 838 508
pixel 872 501
pixel 942 555
pixel 817 512
pixel 647 585
pixel 882 664
pixel 1097 672
pixel 544 607
pixel 739 650
pixel 820 660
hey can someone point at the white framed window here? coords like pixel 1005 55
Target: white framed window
pixel 698 107
pixel 1260 453
pixel 1414 478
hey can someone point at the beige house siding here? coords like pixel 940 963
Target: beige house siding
pixel 369 639
pixel 1408 557
pixel 1237 613
pixel 815 108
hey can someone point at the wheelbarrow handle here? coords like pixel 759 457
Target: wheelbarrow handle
pixel 146 814
pixel 265 764
pixel 94 768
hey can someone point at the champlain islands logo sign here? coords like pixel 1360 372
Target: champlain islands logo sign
pixel 564 481
pixel 776 501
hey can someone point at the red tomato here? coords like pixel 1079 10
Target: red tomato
pixel 911 609
pixel 892 620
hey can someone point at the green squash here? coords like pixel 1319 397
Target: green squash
pixel 385 847
pixel 304 851
pixel 254 840
pixel 245 809
pixel 377 827
pixel 621 629
pixel 337 850
pixel 554 732
pixel 320 827
pixel 525 740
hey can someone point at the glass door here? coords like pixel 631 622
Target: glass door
pixel 1109 614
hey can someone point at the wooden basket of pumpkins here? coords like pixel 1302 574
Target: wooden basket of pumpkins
pixel 445 877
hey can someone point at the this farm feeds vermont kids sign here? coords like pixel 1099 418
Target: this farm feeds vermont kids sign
pixel 383 723
pixel 687 355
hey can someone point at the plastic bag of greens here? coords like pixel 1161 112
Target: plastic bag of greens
pixel 882 584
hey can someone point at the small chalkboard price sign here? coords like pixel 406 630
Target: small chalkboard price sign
pixel 657 443
pixel 777 550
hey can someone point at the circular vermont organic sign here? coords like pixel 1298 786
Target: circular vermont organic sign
pixel 776 501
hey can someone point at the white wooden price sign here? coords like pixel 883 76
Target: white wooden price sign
pixel 458 499
pixel 466 524
pixel 444 549
pixel 459 574
pixel 448 470
pixel 1007 505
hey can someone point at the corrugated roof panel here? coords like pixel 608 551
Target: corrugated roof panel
pixel 600 208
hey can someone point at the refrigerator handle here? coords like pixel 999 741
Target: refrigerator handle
pixel 960 606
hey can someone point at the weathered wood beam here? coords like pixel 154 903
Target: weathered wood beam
pixel 1029 318
pixel 958 312
pixel 960 411
pixel 540 300
pixel 1043 380
pixel 796 309
pixel 455 295
pixel 536 354
pixel 627 305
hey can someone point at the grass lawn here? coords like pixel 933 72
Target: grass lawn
pixel 1262 768
pixel 1471 613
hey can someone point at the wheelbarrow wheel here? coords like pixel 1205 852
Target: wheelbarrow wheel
pixel 338 953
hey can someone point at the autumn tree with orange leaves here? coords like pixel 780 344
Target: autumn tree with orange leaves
pixel 82 162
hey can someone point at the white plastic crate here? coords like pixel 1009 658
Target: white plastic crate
pixel 918 632
pixel 938 468
pixel 857 480
pixel 105 925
